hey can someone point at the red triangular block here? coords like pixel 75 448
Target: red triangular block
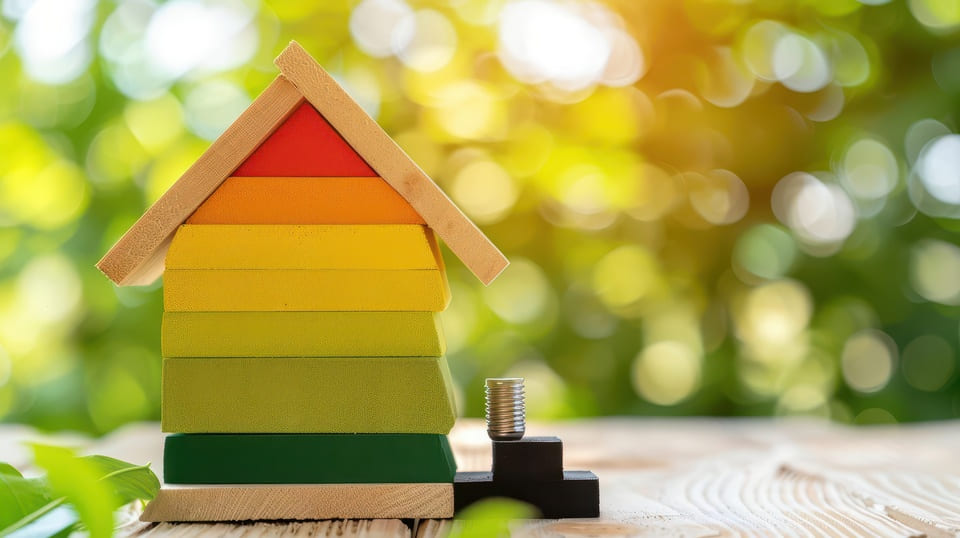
pixel 305 145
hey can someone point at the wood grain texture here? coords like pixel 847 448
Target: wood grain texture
pixel 304 145
pixel 375 528
pixel 322 246
pixel 137 258
pixel 307 395
pixel 709 477
pixel 305 200
pixel 300 501
pixel 298 290
pixel 392 163
pixel 301 334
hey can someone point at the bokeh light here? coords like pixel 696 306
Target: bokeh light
pixel 935 271
pixel 939 169
pixel 766 251
pixel 868 360
pixel 52 37
pixel 376 26
pixel 819 213
pixel 567 44
pixel 718 196
pixel 522 294
pixel 941 15
pixel 666 372
pixel 211 107
pixel 800 64
pixel 869 170
pixel 428 40
pixel 484 190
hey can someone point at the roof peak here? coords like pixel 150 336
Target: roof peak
pixel 137 258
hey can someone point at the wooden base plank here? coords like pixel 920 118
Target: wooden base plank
pixel 307 395
pixel 301 334
pixel 249 458
pixel 305 200
pixel 577 495
pixel 300 501
pixel 341 528
pixel 321 246
pixel 272 290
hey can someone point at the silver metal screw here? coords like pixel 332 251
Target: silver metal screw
pixel 506 412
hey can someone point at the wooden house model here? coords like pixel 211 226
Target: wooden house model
pixel 303 365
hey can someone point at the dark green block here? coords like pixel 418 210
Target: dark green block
pixel 308 458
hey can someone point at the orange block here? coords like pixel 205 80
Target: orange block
pixel 305 200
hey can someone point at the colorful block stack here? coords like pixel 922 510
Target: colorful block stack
pixel 300 335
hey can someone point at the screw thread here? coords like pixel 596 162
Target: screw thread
pixel 506 411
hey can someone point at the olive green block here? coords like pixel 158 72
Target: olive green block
pixel 307 458
pixel 307 395
pixel 301 334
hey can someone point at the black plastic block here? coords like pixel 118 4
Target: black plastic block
pixel 531 458
pixel 576 495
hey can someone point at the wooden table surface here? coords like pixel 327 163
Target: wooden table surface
pixel 687 477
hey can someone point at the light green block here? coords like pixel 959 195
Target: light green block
pixel 307 395
pixel 301 334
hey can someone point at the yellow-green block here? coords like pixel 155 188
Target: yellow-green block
pixel 365 246
pixel 307 395
pixel 271 290
pixel 301 334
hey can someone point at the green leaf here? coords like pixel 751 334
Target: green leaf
pixel 123 482
pixel 129 482
pixel 44 521
pixel 490 518
pixel 7 469
pixel 79 482
pixel 19 496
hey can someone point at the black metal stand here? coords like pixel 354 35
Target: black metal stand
pixel 531 470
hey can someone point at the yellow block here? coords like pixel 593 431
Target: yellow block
pixel 272 290
pixel 365 246
pixel 301 334
pixel 307 395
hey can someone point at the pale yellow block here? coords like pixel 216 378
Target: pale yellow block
pixel 364 246
pixel 272 290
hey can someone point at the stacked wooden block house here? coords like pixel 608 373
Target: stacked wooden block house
pixel 303 372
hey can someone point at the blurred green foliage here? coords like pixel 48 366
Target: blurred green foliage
pixel 490 518
pixel 75 493
pixel 718 207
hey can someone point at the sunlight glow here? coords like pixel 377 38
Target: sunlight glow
pixel 213 35
pixel 555 42
pixel 51 38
